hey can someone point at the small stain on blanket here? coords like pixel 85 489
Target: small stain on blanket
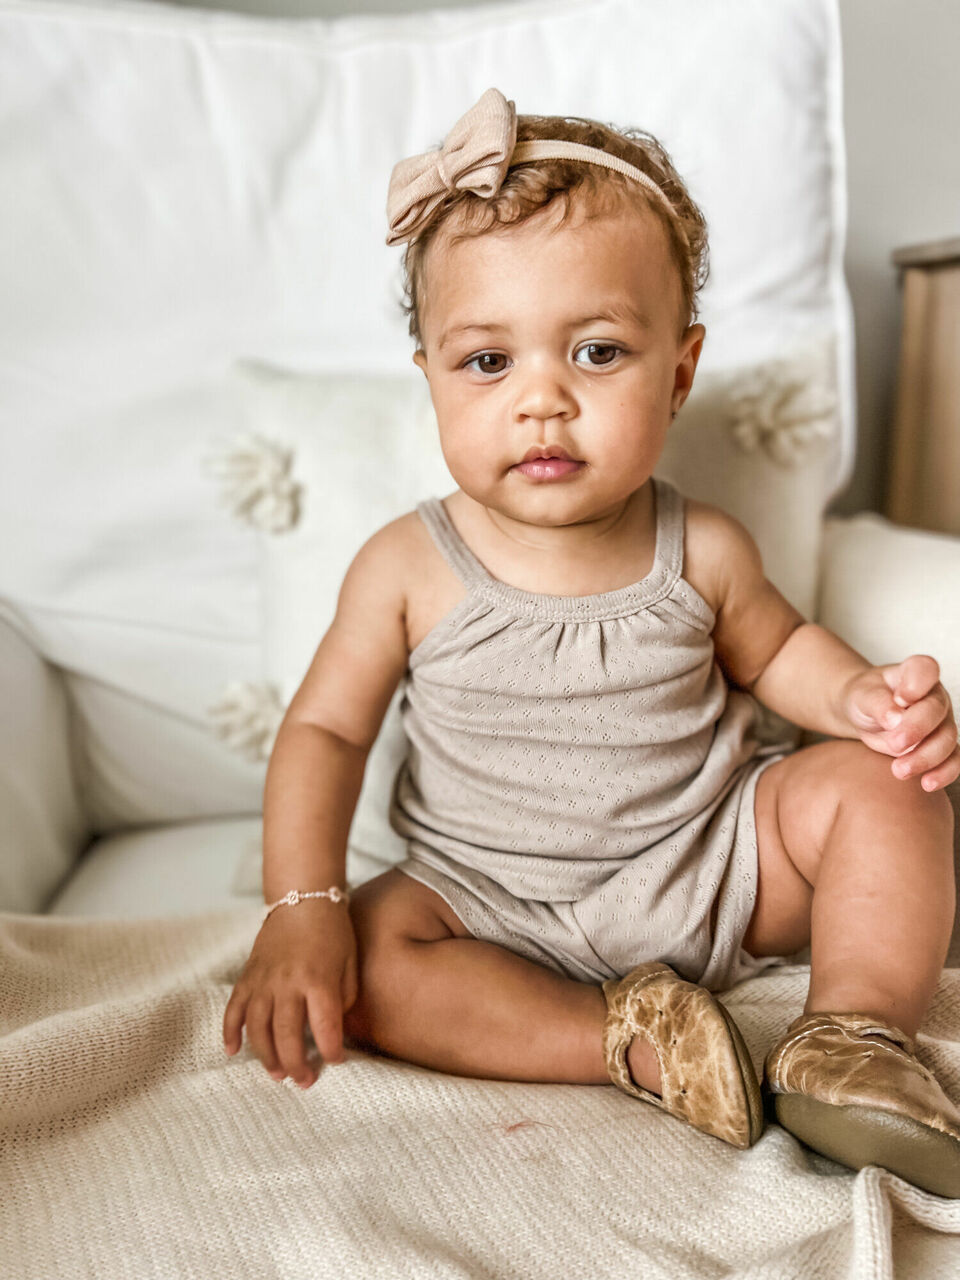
pixel 505 1126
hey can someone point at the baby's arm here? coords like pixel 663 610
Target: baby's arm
pixel 808 675
pixel 756 627
pixel 316 767
pixel 304 961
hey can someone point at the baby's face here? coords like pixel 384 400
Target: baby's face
pixel 549 334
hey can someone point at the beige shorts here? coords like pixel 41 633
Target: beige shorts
pixel 582 940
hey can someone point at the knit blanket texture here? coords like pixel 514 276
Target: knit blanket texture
pixel 132 1146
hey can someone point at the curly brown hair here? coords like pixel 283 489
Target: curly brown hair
pixel 531 185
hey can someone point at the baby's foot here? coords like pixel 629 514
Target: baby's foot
pixel 643 1065
pixel 852 1088
pixel 707 1078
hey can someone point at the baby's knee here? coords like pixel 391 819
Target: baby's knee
pixel 392 915
pixel 379 987
pixel 378 927
pixel 865 777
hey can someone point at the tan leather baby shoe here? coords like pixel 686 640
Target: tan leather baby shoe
pixel 862 1101
pixel 706 1074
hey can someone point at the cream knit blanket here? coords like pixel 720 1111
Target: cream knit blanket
pixel 132 1146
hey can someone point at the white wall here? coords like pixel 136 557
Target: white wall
pixel 902 115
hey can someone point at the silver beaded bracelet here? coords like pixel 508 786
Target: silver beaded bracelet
pixel 334 893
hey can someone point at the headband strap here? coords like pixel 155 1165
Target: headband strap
pixel 475 155
pixel 560 149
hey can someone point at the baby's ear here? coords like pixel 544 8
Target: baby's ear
pixel 420 359
pixel 693 336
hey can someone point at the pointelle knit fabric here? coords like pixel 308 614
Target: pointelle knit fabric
pixel 579 785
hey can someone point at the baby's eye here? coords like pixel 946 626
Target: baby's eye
pixel 607 351
pixel 485 356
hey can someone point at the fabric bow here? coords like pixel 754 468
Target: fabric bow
pixel 475 155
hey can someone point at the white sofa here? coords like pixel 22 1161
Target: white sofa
pixel 201 341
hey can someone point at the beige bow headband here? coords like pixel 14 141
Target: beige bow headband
pixel 475 155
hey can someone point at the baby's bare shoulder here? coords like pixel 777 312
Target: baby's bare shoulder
pixel 386 553
pixel 397 557
pixel 753 616
pixel 721 548
pixel 363 654
pixel 707 533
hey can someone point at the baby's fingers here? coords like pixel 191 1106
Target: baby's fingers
pixel 325 1011
pixel 943 774
pixel 871 707
pixel 260 1033
pixel 233 1017
pixel 288 1017
pixel 937 749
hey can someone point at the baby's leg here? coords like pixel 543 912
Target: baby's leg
pixel 859 864
pixel 432 994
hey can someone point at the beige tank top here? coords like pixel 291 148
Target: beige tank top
pixel 555 739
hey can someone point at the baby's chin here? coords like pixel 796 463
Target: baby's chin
pixel 545 506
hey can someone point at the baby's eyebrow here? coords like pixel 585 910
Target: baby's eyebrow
pixel 449 334
pixel 624 311
pixel 611 313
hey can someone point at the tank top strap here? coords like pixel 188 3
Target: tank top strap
pixel 659 582
pixel 670 522
pixel 449 543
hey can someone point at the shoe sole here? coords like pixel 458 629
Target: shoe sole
pixel 751 1085
pixel 859 1136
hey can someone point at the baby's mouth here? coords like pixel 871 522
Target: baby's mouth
pixel 548 468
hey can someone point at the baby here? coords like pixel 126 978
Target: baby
pixel 597 842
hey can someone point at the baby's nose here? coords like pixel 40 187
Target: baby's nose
pixel 544 393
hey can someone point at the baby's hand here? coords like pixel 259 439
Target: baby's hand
pixel 302 969
pixel 923 736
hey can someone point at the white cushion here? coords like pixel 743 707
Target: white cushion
pixel 187 188
pixel 128 575
pixel 760 442
pixel 178 869
pixel 890 591
pixel 169 870
pixel 42 828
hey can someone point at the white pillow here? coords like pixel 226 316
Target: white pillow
pixel 360 451
pixel 761 443
pixel 178 223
